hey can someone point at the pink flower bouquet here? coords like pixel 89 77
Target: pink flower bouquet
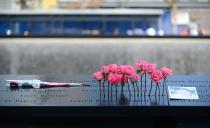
pixel 115 75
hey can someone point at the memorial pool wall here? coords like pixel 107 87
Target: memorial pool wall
pixel 76 56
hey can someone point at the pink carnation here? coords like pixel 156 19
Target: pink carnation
pixel 157 76
pixel 98 75
pixel 114 78
pixel 113 68
pixel 105 69
pixel 141 65
pixel 122 69
pixel 126 69
pixel 150 68
pixel 133 77
pixel 166 71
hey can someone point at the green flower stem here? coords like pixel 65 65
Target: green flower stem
pixel 108 89
pixel 134 87
pixel 111 91
pixel 129 88
pixel 141 85
pixel 116 92
pixel 150 88
pixel 103 88
pixel 137 88
pixel 99 82
pixel 164 86
pixel 122 88
pixel 145 83
pixel 158 89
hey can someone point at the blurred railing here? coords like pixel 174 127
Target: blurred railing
pixel 104 18
pixel 82 4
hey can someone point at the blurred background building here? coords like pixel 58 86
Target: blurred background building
pixel 90 33
pixel 104 17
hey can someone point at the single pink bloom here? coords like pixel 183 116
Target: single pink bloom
pixel 114 78
pixel 150 68
pixel 166 71
pixel 141 65
pixel 129 70
pixel 98 75
pixel 105 69
pixel 133 77
pixel 113 68
pixel 122 69
pixel 157 76
pixel 126 69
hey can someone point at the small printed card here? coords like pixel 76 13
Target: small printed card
pixel 176 92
